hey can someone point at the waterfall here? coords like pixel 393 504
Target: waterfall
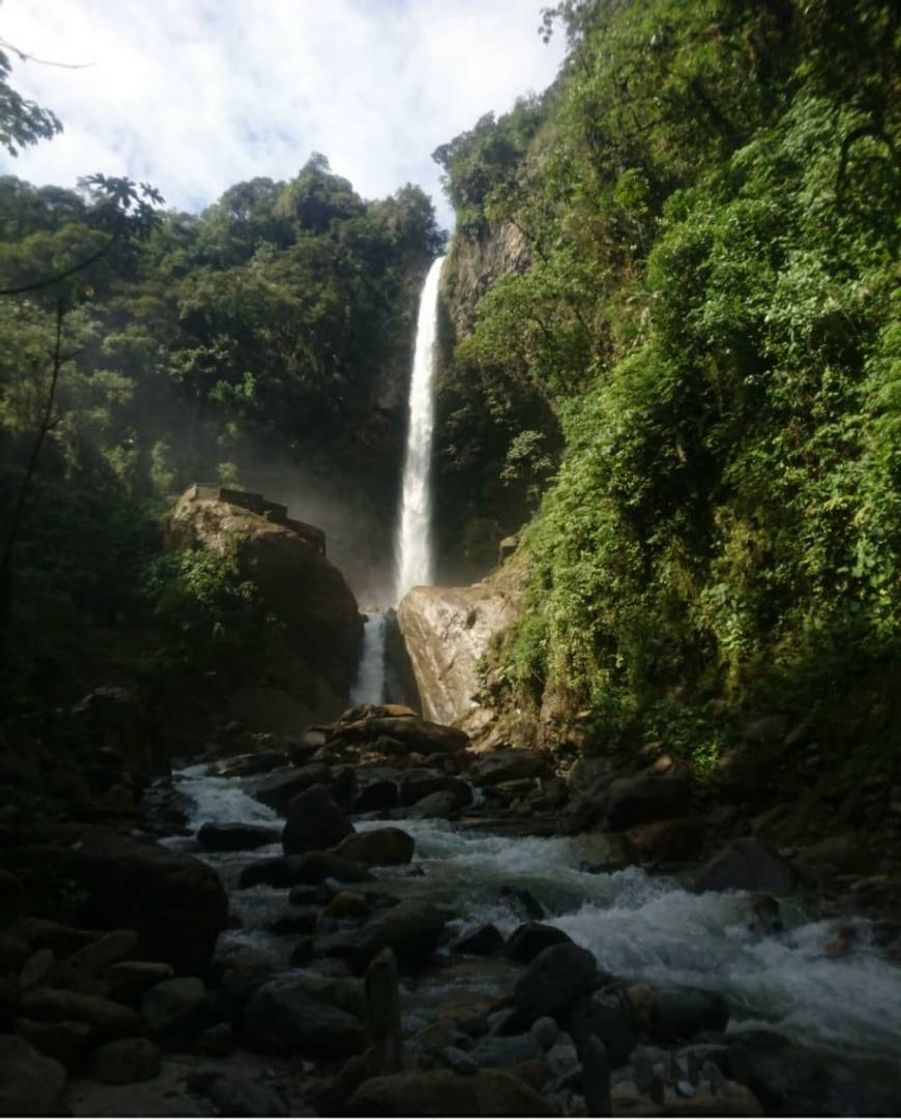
pixel 370 684
pixel 414 533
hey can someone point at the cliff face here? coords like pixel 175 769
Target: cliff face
pixel 303 589
pixel 473 265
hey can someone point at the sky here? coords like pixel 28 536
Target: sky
pixel 195 95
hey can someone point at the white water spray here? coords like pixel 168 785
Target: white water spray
pixel 414 534
pixel 370 684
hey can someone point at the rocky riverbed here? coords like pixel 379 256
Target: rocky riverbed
pixel 409 932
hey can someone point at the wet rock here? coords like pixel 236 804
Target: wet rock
pixel 589 1017
pixel 680 1013
pixel 235 836
pixel 442 1092
pixel 279 788
pixel 315 822
pixel 644 797
pixel 553 980
pixel 174 1005
pixel 423 783
pixel 412 929
pixel 459 1061
pixel 377 847
pixel 525 900
pixel 483 941
pixel 217 1041
pixel 64 940
pixel 304 894
pixel 745 865
pixel 65 1042
pixel 678 839
pixel 347 906
pixel 239 1096
pixel 504 1051
pixel 125 1061
pixel 282 1018
pixel 41 968
pixel 31 1084
pixel 378 797
pixel 249 765
pixel 442 806
pixel 532 938
pixel 419 735
pixel 106 1019
pixel 306 869
pixel 299 919
pixel 545 1032
pixel 127 980
pixel 509 766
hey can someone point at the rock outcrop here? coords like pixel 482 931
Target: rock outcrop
pixel 286 561
pixel 447 630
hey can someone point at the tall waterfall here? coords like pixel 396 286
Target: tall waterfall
pixel 413 551
pixel 372 671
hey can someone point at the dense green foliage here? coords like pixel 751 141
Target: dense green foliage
pixel 144 349
pixel 711 312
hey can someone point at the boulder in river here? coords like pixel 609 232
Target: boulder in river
pixel 235 836
pixel 553 980
pixel 420 735
pixel 645 797
pixel 509 766
pixel 125 1061
pixel 278 788
pixel 377 847
pixel 532 938
pixel 412 929
pixel 309 868
pixel 314 822
pixel 746 865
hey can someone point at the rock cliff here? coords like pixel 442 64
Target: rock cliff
pixel 447 630
pixel 302 587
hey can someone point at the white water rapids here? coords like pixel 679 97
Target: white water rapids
pixel 639 927
pixel 414 531
pixel 371 673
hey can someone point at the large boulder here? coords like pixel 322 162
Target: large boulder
pixel 175 901
pixel 283 1018
pixel 106 1019
pixel 509 766
pixel 645 797
pixel 447 631
pixel 553 980
pixel 286 561
pixel 411 734
pixel 30 1083
pixel 412 929
pixel 441 1092
pixel 746 865
pixel 306 869
pixel 235 836
pixel 278 788
pixel 314 822
pixel 378 847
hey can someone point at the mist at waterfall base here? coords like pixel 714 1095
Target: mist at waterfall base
pixel 642 928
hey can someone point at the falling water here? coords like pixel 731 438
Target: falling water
pixel 414 543
pixel 370 684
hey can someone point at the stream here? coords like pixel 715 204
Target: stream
pixel 641 927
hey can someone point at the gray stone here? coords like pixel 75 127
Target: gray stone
pixel 377 847
pixel 746 865
pixel 283 1018
pixel 553 980
pixel 174 1004
pixel 235 836
pixel 532 938
pixel 125 1061
pixel 30 1083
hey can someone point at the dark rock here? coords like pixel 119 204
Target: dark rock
pixel 62 939
pixel 412 929
pixel 532 938
pixel 437 806
pixel 442 1092
pixel 65 1042
pixel 217 1041
pixel 282 1018
pixel 92 960
pixel 106 1019
pixel 501 1052
pixel 239 1096
pixel 250 765
pixel 127 980
pixel 645 797
pixel 235 836
pixel 378 797
pixel 553 980
pixel 314 823
pixel 114 718
pixel 678 839
pixel 306 869
pixel 420 735
pixel 483 941
pixel 529 904
pixel 30 1083
pixel 41 969
pixel 125 1061
pixel 175 1005
pixel 279 788
pixel 303 952
pixel 589 1017
pixel 299 919
pixel 304 894
pixel 377 847
pixel 745 865
pixel 509 766
pixel 680 1013
pixel 175 901
pixel 414 787
pixel 14 952
pixel 346 906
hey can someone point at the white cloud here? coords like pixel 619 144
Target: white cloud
pixel 194 95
